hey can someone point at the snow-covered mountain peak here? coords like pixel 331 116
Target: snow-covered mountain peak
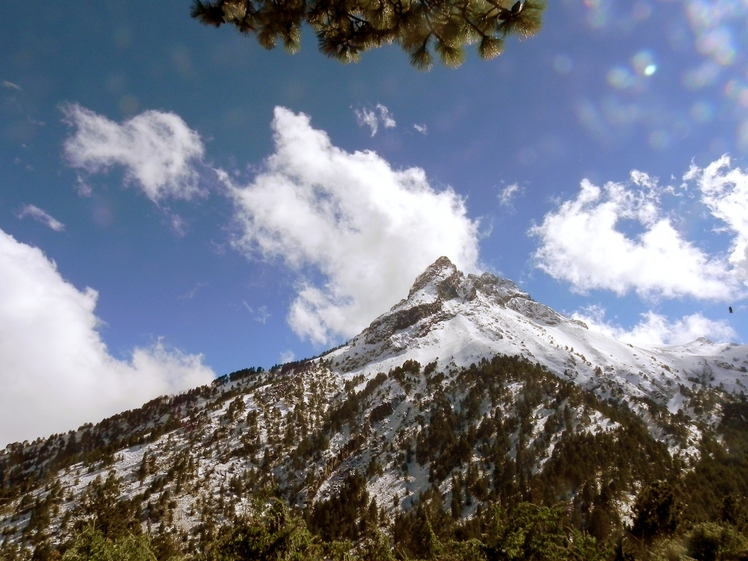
pixel 438 280
pixel 440 296
pixel 443 281
pixel 365 432
pixel 459 319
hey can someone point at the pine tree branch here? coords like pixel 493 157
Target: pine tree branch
pixel 347 28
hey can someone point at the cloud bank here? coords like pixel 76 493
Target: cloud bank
pixel 581 241
pixel 724 191
pixel 157 149
pixel 55 371
pixel 368 229
pixel 656 330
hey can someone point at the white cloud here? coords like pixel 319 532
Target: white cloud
pixel 580 243
pixel 373 117
pixel 55 371
pixel 367 117
pixel 423 129
pixel 157 149
pixel 41 216
pixel 10 85
pixel 388 121
pixel 287 356
pixel 195 289
pixel 368 229
pixel 260 315
pixel 507 194
pixel 725 193
pixel 657 330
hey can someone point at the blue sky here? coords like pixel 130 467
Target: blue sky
pixel 177 203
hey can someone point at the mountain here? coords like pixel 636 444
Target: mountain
pixel 448 415
pixel 460 319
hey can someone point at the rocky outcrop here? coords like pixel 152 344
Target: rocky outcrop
pixel 441 283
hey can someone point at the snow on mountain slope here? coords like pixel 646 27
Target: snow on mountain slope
pixel 458 319
pixel 189 463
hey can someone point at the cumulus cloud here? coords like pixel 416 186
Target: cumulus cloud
pixel 370 230
pixel 725 193
pixel 657 330
pixel 55 370
pixel 373 117
pixel 423 129
pixel 157 149
pixel 580 242
pixel 41 216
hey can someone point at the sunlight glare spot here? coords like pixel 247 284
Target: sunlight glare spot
pixel 642 11
pixel 620 78
pixel 717 43
pixel 562 64
pixel 599 13
pixel 620 114
pixel 737 91
pixel 743 136
pixel 701 14
pixel 643 63
pixel 129 105
pixel 597 19
pixel 702 112
pixel 704 75
pixel 659 139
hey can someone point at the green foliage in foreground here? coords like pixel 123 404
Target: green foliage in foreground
pixel 529 532
pixel 347 28
pixel 92 545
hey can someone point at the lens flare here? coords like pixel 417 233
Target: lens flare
pixel 706 74
pixel 737 91
pixel 702 112
pixel 620 78
pixel 717 44
pixel 642 11
pixel 563 64
pixel 742 136
pixel 659 139
pixel 644 64
pixel 599 13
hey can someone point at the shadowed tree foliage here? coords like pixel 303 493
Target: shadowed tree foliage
pixel 656 511
pixel 347 28
pixel 92 545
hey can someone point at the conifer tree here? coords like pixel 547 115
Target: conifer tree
pixel 347 28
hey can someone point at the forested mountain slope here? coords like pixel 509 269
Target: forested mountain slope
pixel 469 422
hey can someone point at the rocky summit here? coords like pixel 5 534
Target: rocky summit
pixel 462 424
